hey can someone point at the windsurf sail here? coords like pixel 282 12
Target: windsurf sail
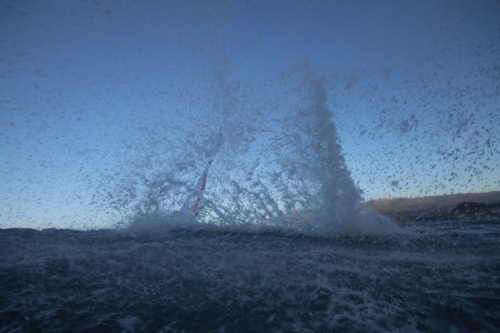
pixel 194 203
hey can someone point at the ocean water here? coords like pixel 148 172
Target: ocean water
pixel 428 277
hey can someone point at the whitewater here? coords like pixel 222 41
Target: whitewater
pixel 431 278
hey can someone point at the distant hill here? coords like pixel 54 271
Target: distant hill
pixel 443 207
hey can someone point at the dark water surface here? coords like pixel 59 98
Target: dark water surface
pixel 430 278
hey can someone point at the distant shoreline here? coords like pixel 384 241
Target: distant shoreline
pixel 466 206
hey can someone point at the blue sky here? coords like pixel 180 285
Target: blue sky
pixel 97 96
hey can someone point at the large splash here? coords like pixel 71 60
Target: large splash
pixel 338 196
pixel 289 172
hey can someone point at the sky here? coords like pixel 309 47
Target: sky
pixel 101 99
